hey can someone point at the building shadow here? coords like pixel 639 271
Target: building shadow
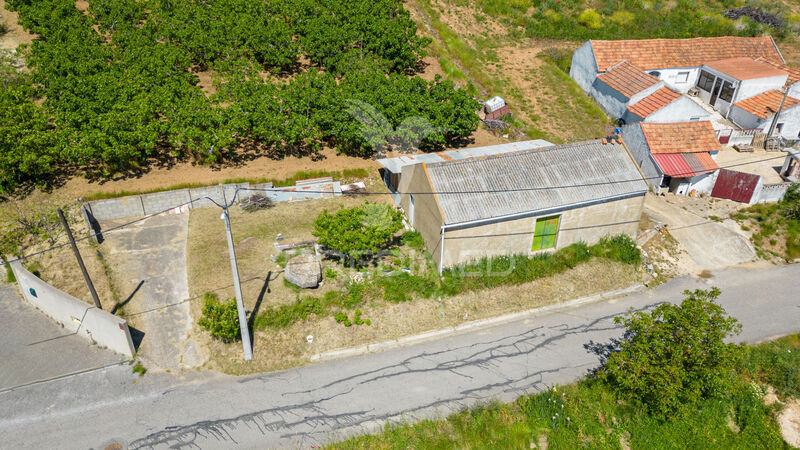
pixel 137 336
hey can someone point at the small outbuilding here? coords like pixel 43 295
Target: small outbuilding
pixel 759 113
pixel 523 202
pixel 725 82
pixel 678 157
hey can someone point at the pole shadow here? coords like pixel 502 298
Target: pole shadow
pixel 119 306
pixel 252 319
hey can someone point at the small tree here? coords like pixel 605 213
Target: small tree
pixel 356 232
pixel 676 354
pixel 220 319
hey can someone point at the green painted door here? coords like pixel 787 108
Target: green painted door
pixel 544 235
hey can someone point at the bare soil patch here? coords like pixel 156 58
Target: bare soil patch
pixel 789 421
pixel 15 35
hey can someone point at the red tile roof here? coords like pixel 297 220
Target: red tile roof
pixel 664 53
pixel 745 68
pixel 767 103
pixel 794 74
pixel 680 137
pixel 685 165
pixel 653 102
pixel 627 79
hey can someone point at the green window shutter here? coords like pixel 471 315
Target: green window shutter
pixel 544 235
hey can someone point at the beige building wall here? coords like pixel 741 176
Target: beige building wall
pixel 587 224
pixel 427 218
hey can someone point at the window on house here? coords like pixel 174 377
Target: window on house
pixel 706 81
pixel 655 73
pixel 779 127
pixel 726 94
pixel 544 235
pixel 694 119
pixel 682 77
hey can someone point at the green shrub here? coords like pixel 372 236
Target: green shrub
pixel 620 248
pixel 590 19
pixel 675 355
pixel 330 273
pixel 360 231
pixel 622 18
pixel 413 239
pixel 284 315
pixel 341 317
pixel 10 278
pixel 776 364
pixel 139 369
pixel 220 319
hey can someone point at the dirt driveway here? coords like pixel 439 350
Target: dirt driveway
pixel 711 245
pixel 149 262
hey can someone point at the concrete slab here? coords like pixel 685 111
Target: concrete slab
pixel 759 162
pixel 149 259
pixel 711 245
pixel 33 347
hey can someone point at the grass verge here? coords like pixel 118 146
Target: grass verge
pixel 590 414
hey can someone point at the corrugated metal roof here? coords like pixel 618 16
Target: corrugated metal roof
pixel 524 181
pixel 395 165
pixel 685 165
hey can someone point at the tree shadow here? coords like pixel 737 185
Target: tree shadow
pixel 120 305
pixel 604 350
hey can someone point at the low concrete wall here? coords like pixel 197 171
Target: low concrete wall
pixel 772 193
pixel 75 315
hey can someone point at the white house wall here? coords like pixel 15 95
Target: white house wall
pixel 584 67
pixel 611 101
pixel 670 78
pixel 790 118
pixel 751 88
pixel 794 90
pixel 683 109
pixel 743 118
pixel 634 139
pixel 703 184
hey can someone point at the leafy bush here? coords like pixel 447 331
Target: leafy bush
pixel 790 205
pixel 284 315
pixel 358 232
pixel 220 319
pixel 620 248
pixel 589 18
pixel 776 364
pixel 413 239
pixel 674 355
pixel 139 369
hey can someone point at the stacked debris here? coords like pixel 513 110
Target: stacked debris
pixel 756 14
pixel 495 108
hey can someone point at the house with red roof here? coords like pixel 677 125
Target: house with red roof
pixel 675 157
pixel 759 112
pixel 643 80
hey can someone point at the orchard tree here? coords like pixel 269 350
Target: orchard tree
pixel 675 354
pixel 360 231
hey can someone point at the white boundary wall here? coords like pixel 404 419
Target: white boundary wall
pixel 75 315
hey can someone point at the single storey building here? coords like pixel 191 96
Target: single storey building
pixel 722 83
pixel 664 106
pixel 523 202
pixel 678 157
pixel 759 112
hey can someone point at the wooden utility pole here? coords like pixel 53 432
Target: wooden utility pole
pixel 86 277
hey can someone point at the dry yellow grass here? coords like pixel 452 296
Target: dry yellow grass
pixel 275 350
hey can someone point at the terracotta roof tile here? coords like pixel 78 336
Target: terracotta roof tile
pixel 745 68
pixel 627 79
pixel 680 137
pixel 767 103
pixel 653 102
pixel 794 74
pixel 663 53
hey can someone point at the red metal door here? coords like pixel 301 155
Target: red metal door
pixel 736 186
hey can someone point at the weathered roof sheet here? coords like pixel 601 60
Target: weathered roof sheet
pixel 744 68
pixel 395 165
pixel 664 53
pixel 767 103
pixel 519 182
pixel 627 79
pixel 680 137
pixel 685 165
pixel 653 102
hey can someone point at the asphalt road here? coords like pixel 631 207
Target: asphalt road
pixel 328 401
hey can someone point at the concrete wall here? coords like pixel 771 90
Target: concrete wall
pixel 751 88
pixel 703 184
pixel 790 118
pixel 794 90
pixel 584 67
pixel 75 315
pixel 743 118
pixel 587 224
pixel 681 110
pixel 634 139
pixel 771 193
pixel 670 78
pixel 609 100
pixel 427 215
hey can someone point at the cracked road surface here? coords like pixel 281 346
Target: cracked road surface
pixel 329 401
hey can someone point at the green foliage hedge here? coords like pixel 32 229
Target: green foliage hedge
pixel 220 319
pixel 119 88
pixel 358 232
